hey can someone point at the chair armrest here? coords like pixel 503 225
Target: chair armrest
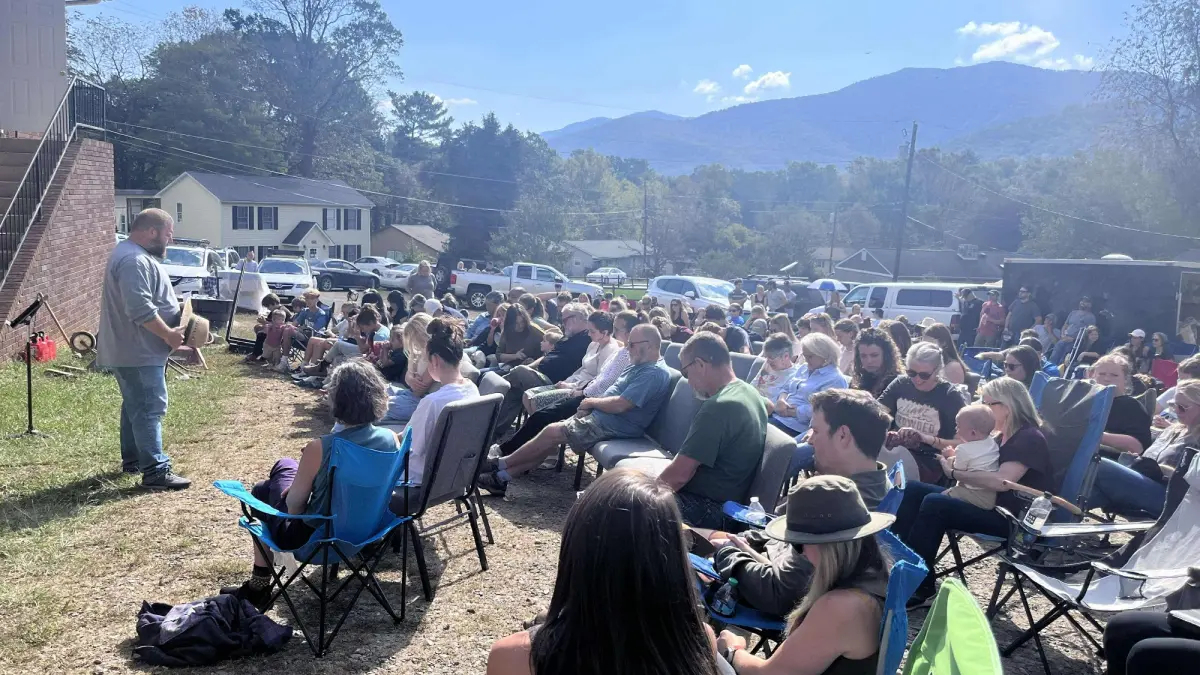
pixel 1058 501
pixel 239 492
pixel 1084 529
pixel 703 566
pixel 1140 574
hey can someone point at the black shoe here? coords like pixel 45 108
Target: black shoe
pixel 921 599
pixel 259 596
pixel 493 484
pixel 165 481
pixel 130 469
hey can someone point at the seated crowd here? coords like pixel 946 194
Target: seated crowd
pixel 856 393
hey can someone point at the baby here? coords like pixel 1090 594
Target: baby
pixel 779 368
pixel 273 347
pixel 549 339
pixel 976 451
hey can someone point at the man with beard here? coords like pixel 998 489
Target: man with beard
pixel 139 314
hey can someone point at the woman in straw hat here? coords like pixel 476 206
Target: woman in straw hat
pixel 827 517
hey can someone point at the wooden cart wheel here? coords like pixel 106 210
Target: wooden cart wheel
pixel 83 342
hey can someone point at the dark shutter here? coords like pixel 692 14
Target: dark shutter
pixel 235 225
pixel 324 219
pixel 339 219
pixel 275 216
pixel 260 218
pixel 250 216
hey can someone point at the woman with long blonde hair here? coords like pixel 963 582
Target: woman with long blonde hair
pixel 827 516
pixel 926 514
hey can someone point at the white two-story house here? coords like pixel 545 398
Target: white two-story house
pixel 318 218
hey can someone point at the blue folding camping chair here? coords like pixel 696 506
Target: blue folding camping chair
pixel 1075 412
pixel 352 526
pixel 907 573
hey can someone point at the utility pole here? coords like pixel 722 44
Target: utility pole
pixel 912 154
pixel 832 236
pixel 645 219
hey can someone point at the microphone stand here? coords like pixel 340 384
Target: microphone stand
pixel 26 318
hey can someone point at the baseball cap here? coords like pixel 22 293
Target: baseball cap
pixel 993 292
pixel 432 306
pixel 1138 333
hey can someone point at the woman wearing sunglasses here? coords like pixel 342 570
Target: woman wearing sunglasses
pixel 921 401
pixel 926 514
pixel 1135 485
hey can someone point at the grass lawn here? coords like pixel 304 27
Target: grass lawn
pixel 54 488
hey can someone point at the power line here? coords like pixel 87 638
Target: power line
pixel 1054 212
pixel 373 192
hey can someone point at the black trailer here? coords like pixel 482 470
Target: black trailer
pixel 1153 295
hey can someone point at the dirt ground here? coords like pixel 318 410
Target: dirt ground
pixel 183 546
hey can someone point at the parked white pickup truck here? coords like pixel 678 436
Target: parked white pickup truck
pixel 474 286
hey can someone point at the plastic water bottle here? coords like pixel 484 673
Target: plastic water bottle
pixel 1039 512
pixel 755 513
pixel 725 602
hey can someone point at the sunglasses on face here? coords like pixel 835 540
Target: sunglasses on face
pixel 1011 366
pixel 912 374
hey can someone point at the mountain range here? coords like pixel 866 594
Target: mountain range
pixel 996 109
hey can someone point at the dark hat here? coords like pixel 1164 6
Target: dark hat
pixel 825 510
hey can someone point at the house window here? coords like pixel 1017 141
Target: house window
pixel 327 218
pixel 243 218
pixel 268 218
pixel 264 251
pixel 352 219
pixel 122 227
pixel 352 251
pixel 178 212
pixel 335 251
pixel 243 251
pixel 312 253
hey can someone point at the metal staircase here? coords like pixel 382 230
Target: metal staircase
pixel 28 165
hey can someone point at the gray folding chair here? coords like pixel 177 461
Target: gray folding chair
pixel 463 433
pixel 746 367
pixel 491 383
pixel 672 355
pixel 666 431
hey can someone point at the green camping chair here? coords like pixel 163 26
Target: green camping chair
pixel 956 637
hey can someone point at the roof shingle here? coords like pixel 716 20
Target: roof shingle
pixel 278 190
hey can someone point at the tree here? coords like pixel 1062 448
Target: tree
pixel 102 48
pixel 312 55
pixel 422 124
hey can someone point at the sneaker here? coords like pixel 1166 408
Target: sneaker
pixel 493 484
pixel 490 465
pixel 259 596
pixel 282 367
pixel 129 469
pixel 165 481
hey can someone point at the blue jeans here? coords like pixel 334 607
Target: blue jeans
pixel 143 406
pixel 1124 491
pixel 804 457
pixel 925 515
pixel 1060 351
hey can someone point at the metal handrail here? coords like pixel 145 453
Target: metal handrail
pixel 83 105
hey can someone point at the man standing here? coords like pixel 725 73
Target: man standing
pixel 249 264
pixel 971 307
pixel 1077 320
pixel 776 298
pixel 1022 314
pixel 738 295
pixel 138 308
pixel 991 320
pixel 723 449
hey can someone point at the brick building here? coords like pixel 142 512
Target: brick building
pixel 66 249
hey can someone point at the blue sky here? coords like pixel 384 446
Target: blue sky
pixel 542 64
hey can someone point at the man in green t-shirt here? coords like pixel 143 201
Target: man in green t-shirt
pixel 724 446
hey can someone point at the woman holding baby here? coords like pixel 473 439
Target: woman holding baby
pixel 997 440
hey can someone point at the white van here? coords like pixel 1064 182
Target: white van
pixel 911 299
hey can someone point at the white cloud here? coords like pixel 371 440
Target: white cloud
pixel 1026 44
pixel 1006 28
pixel 707 88
pixel 776 79
pixel 738 100
pixel 742 72
pixel 1021 42
pixel 460 101
pixel 384 106
pixel 1077 62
